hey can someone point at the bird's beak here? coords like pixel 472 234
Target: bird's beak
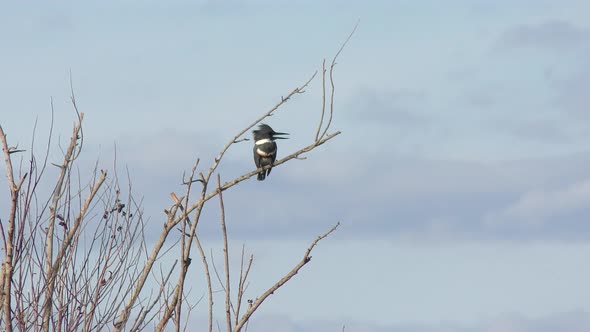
pixel 278 137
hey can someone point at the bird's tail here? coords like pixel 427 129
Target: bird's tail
pixel 261 176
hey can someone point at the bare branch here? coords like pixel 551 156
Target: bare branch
pixel 242 282
pixel 208 277
pixel 205 266
pixel 139 323
pixel 306 259
pixel 332 65
pixel 53 270
pixel 248 175
pixel 57 194
pixel 7 269
pixel 168 310
pixel 317 134
pixel 219 157
pixel 226 257
pixel 126 311
pixel 9 171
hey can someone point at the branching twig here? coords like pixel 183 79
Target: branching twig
pixel 236 138
pixel 241 283
pixel 205 266
pixel 248 175
pixel 57 194
pixel 176 299
pixel 6 272
pixel 139 323
pixel 306 258
pixel 331 74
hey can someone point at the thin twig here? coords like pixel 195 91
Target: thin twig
pixel 208 277
pixel 138 324
pixel 177 296
pixel 331 74
pixel 217 161
pixel 225 256
pixel 317 134
pixel 248 175
pixel 306 259
pixel 8 264
pixel 57 194
pixel 241 283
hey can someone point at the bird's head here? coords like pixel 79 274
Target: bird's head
pixel 264 131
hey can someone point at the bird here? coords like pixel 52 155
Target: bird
pixel 265 148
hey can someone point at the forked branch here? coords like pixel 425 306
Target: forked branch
pixel 332 88
pixel 7 269
pixel 306 259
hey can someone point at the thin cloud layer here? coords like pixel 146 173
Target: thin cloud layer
pixel 538 199
pixel 574 321
pixel 553 35
pixel 542 206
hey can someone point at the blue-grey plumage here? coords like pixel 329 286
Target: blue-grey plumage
pixel 265 148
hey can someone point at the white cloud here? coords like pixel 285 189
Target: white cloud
pixel 541 206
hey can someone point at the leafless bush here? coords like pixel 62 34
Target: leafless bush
pixel 76 258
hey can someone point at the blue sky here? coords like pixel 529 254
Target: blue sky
pixel 461 177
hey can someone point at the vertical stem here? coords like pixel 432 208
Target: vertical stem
pixel 8 266
pixel 226 257
pixel 57 193
pixel 208 276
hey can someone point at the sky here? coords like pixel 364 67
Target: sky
pixel 460 178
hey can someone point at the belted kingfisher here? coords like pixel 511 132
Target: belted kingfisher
pixel 265 148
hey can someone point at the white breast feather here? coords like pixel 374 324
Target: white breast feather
pixel 265 154
pixel 263 141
